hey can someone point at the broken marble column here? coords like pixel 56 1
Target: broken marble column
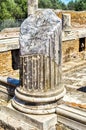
pixel 40 64
pixel 32 6
pixel 66 21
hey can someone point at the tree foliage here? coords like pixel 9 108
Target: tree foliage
pixel 13 9
pixel 17 9
pixel 53 4
pixel 78 5
pixel 71 5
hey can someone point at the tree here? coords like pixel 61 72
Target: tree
pixel 78 5
pixel 63 6
pixel 4 13
pixel 54 4
pixel 71 5
pixel 15 9
pixel 21 8
pixel 45 4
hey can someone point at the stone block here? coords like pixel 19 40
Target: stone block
pixel 16 120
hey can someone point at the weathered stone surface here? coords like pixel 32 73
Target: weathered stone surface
pixel 9 44
pixel 32 6
pixel 66 21
pixel 39 73
pixel 40 34
pixel 11 118
pixel 63 127
pixel 71 117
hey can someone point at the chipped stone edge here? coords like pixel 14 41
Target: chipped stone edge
pixel 71 117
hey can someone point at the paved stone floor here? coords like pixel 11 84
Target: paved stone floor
pixel 75 79
pixel 75 84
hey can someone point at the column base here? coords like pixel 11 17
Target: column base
pixel 12 119
pixel 36 105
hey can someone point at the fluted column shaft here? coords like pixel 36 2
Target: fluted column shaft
pixel 39 73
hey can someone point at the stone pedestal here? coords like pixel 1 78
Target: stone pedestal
pixel 66 21
pixel 40 64
pixel 11 119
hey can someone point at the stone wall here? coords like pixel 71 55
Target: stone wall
pixel 5 62
pixel 76 16
pixel 6 65
pixel 70 50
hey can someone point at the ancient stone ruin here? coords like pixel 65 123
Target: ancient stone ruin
pixel 40 64
pixel 66 21
pixel 51 57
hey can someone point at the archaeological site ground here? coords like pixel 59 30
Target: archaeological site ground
pixel 43 72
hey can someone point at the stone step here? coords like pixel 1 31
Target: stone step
pixel 20 121
pixel 72 117
pixel 8 120
pixel 73 66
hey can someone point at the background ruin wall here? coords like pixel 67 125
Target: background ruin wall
pixel 76 16
pixel 70 48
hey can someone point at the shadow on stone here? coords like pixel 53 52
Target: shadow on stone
pixel 7 88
